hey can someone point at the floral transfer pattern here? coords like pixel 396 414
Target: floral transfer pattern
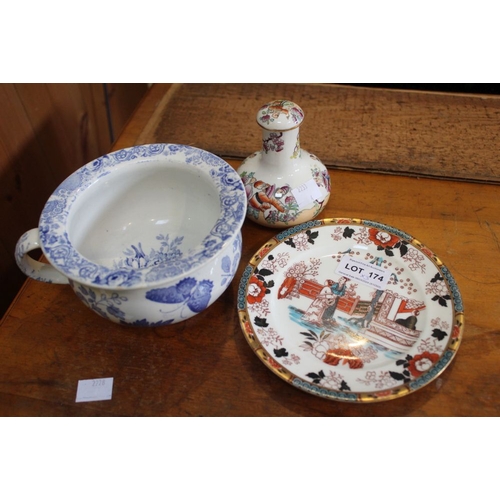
pixel 137 258
pixel 271 112
pixel 61 253
pixel 110 306
pixel 187 297
pixel 230 262
pixel 343 339
pixel 274 142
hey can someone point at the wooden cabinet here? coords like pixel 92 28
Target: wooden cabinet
pixel 47 131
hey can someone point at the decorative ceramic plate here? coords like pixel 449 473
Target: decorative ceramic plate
pixel 350 310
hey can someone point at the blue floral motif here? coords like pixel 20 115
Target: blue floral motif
pixel 88 271
pixel 121 277
pixel 226 267
pixel 60 252
pixel 122 155
pixel 50 238
pixel 188 292
pixel 200 297
pixel 71 183
pixel 229 269
pixel 138 259
pixel 105 305
pixel 54 207
pixel 165 271
pixel 140 268
pixel 222 229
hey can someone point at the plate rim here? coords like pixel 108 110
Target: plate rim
pixel 446 357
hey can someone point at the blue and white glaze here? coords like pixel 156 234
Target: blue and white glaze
pixel 167 304
pixel 60 252
pixel 133 288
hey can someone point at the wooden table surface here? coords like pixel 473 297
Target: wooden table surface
pixel 204 367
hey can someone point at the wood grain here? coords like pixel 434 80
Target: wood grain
pixel 400 132
pixel 47 131
pixel 203 367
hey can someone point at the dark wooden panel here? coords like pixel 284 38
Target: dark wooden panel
pixel 47 131
pixel 122 100
pixel 399 132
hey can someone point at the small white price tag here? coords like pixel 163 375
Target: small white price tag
pixel 306 193
pixel 363 272
pixel 96 389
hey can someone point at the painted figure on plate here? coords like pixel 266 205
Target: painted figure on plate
pixel 338 290
pixel 324 305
